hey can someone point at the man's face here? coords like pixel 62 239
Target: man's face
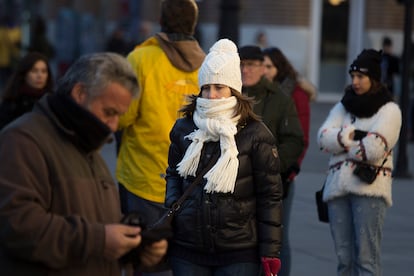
pixel 113 102
pixel 251 71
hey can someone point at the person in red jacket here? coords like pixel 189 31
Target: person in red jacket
pixel 279 70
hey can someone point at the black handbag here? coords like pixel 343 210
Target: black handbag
pixel 161 229
pixel 368 173
pixel 322 207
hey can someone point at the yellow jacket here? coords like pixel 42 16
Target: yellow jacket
pixel 167 73
pixel 9 45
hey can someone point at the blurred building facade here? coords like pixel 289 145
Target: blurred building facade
pixel 318 36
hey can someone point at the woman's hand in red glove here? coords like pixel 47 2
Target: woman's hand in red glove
pixel 271 266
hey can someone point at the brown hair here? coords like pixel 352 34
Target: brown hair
pixel 244 107
pixel 17 80
pixel 284 67
pixel 179 16
pixel 376 85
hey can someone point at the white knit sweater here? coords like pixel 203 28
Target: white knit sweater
pixel 333 137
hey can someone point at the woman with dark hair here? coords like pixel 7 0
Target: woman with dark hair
pixel 230 224
pixel 278 69
pixel 31 80
pixel 360 133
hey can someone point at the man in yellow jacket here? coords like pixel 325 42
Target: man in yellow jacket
pixel 166 66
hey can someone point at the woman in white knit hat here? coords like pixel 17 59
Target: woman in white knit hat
pixel 230 223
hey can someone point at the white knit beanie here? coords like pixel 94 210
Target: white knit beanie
pixel 221 66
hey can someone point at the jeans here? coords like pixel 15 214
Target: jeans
pixel 151 212
pixel 182 267
pixel 356 224
pixel 285 253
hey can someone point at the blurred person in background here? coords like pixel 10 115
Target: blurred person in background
pixel 30 81
pixel 117 42
pixel 39 41
pixel 390 65
pixel 278 69
pixel 10 42
pixel 277 109
pixel 166 65
pixel 261 39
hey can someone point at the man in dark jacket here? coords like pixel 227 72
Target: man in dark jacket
pixel 59 206
pixel 278 112
pixel 276 109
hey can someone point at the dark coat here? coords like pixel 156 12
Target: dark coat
pixel 55 197
pixel 10 110
pixel 249 218
pixel 278 112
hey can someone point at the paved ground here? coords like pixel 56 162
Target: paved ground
pixel 313 252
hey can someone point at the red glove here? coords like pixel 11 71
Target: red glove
pixel 271 266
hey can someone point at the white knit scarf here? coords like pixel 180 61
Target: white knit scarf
pixel 215 121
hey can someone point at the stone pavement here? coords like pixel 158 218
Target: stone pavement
pixel 313 252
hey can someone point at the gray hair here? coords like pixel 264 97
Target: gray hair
pixel 96 71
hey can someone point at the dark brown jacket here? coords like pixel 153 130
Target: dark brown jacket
pixel 55 197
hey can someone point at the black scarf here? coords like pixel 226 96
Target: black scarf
pixel 365 105
pixel 86 130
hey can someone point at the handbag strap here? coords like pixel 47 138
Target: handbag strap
pixel 359 162
pixel 197 181
pixel 383 162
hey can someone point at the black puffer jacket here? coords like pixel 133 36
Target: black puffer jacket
pixel 249 218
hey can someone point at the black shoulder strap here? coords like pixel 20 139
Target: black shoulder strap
pixel 197 180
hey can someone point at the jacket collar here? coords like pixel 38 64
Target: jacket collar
pixel 185 53
pixel 260 89
pixel 79 125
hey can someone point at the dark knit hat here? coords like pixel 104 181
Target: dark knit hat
pixel 368 62
pixel 251 52
pixel 179 16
